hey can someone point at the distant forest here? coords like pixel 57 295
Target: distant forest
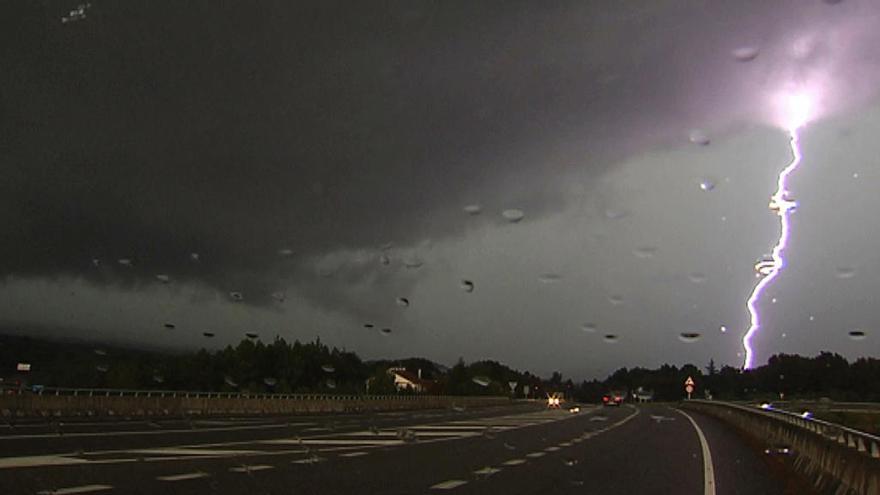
pixel 282 367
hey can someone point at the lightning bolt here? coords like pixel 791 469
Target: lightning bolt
pixel 768 269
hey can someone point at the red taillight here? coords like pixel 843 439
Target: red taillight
pixel 605 399
pixel 618 399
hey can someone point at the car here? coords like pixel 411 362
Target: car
pixel 553 402
pixel 613 398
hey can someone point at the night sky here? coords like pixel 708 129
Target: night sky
pixel 159 159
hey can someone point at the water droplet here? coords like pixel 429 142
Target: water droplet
pixel 645 252
pixel 773 300
pixel 229 381
pixel 170 326
pixel 208 334
pixel 697 136
pixel 236 296
pixel 611 338
pixel 855 175
pixel 102 368
pixel 269 381
pixel 473 209
pixel 689 337
pixel 331 383
pixel 328 368
pixel 513 215
pixel 745 53
pixel 589 327
pixel 100 352
pixel 615 299
pixel 784 335
pixel 124 261
pixel 403 302
pixel 833 2
pixel 158 378
pixel 697 277
pixel 163 278
pixel 194 257
pixel 812 318
pixel 723 329
pixel 413 263
pixel 467 286
pixel 482 381
pixel 385 331
pixel 285 252
pixel 857 335
pixel 96 262
pixel 570 462
pixel 845 272
pixel 368 325
pixel 614 214
pixel 278 296
pixel 707 185
pixel 385 260
pixel 251 335
pixel 549 278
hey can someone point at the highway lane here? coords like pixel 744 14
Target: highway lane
pixel 644 449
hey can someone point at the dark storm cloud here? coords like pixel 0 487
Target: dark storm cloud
pixel 235 131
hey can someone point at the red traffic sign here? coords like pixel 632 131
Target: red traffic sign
pixel 689 389
pixel 689 382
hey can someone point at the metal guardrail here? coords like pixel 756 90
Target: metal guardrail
pixel 861 441
pixel 97 392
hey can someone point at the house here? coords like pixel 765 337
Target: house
pixel 407 380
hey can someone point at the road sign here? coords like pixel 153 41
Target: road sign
pixel 689 386
pixel 23 367
pixel 526 390
pixel 689 381
pixel 512 385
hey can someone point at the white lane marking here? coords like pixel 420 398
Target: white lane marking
pixel 141 432
pixel 334 441
pixel 448 485
pixel 38 460
pixel 551 449
pixel 250 469
pixel 487 471
pixel 535 455
pixel 308 460
pixel 449 427
pixel 353 454
pixel 76 489
pixel 708 469
pixel 565 444
pixel 513 462
pixel 183 477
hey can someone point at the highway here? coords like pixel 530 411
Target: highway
pixel 517 449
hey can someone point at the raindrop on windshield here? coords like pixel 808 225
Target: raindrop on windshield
pixel 229 381
pixel 194 257
pixel 845 272
pixel 473 209
pixel 96 262
pixel 413 263
pixel 467 286
pixel 158 378
pixel 236 296
pixel 163 278
pixel 697 277
pixel 385 260
pixel 513 215
pixel 697 136
pixel 689 337
pixel 615 299
pixel 328 368
pixel 812 318
pixel 100 352
pixel 549 278
pixel 857 335
pixel 707 185
pixel 170 326
pixel 368 325
pixel 278 296
pixel 611 338
pixel 386 331
pixel 331 383
pixel 124 261
pixel 251 335
pixel 269 381
pixel 285 252
pixel 614 214
pixel 208 334
pixel 482 381
pixel 723 329
pixel 102 368
pixel 745 53
pixel 589 327
pixel 645 252
pixel 403 302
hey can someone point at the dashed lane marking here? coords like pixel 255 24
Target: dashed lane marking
pixel 448 485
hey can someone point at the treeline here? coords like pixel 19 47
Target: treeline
pixel 826 375
pixel 251 366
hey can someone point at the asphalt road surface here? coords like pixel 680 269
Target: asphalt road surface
pixel 523 449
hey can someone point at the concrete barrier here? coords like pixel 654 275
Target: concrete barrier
pixel 103 405
pixel 836 460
